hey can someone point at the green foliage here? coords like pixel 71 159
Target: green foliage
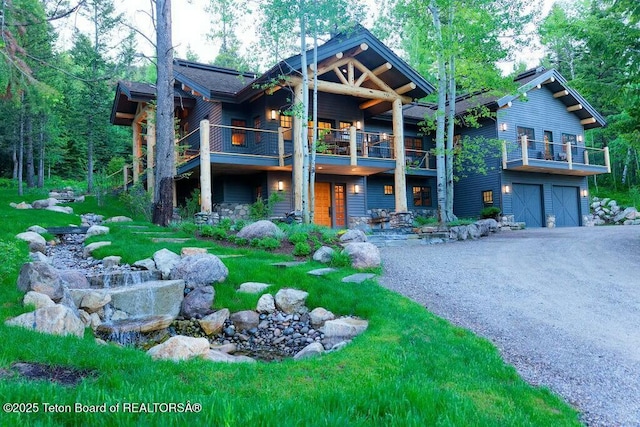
pixel 191 205
pixel 461 221
pixel 226 224
pixel 218 233
pixel 298 237
pixel 240 241
pixel 340 259
pixel 14 253
pixel 476 156
pixel 239 224
pixel 490 212
pixel 261 209
pixel 266 243
pixel 188 227
pixel 302 249
pixel 420 220
pixel 137 201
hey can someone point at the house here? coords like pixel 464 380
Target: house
pixel 237 141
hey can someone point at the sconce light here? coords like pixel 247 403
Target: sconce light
pixel 356 189
pixel 274 114
pixel 585 192
pixel 579 138
pixel 358 125
pixel 280 185
pixel 507 189
pixel 503 127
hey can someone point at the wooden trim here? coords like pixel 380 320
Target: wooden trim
pixel 561 94
pixel 406 88
pixel 588 121
pixel 341 89
pixel 340 76
pixel 400 173
pixel 504 154
pixel 382 68
pixel 574 107
pixel 121 115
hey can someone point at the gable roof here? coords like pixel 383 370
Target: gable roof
pixel 211 81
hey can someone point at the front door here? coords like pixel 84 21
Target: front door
pixel 340 213
pixel 330 207
pixel 322 211
pixel 548 145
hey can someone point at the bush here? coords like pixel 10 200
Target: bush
pixel 425 220
pixel 297 237
pixel 191 205
pixel 13 254
pixel 226 224
pixel 302 249
pixel 261 209
pixel 340 259
pixel 266 243
pixel 237 240
pixel 217 233
pixel 188 227
pixel 490 212
pixel 138 201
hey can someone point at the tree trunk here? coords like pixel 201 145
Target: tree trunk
pixel 314 137
pixel 28 135
pixel 21 148
pixel 41 152
pixel 625 170
pixel 165 159
pixel 450 139
pixel 304 137
pixel 14 157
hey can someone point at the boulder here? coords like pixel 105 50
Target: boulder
pixel 459 232
pixel 363 255
pixel 43 203
pixel 489 223
pixel 245 320
pixel 353 236
pixel 88 250
pixel 213 323
pixel 40 257
pixel 198 302
pixel 74 279
pixel 219 356
pixel 266 304
pixel 37 229
pixel 199 270
pixel 192 251
pixel 41 277
pixel 165 260
pixel 474 231
pixel 152 298
pixel 291 300
pixel 111 261
pixel 318 316
pixel 96 230
pixel 56 320
pixel 312 350
pixel 342 329
pixel 94 301
pixel 628 213
pixel 61 209
pixel 36 242
pixel 145 264
pixel 119 218
pixel 180 347
pixel 23 205
pixel 253 287
pixel 37 299
pixel 324 254
pixel 259 229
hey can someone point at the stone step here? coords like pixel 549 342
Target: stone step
pixel 67 230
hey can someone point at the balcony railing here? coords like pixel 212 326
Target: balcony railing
pixel 527 154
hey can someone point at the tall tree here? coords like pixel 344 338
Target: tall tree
pixel 165 158
pixel 225 19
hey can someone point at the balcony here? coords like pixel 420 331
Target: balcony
pixel 554 158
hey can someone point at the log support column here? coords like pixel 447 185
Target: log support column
pixel 151 148
pixel 205 168
pixel 398 147
pixel 297 153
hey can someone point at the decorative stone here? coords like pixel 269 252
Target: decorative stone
pixel 192 251
pixel 179 348
pixel 224 348
pixel 153 298
pixel 324 254
pixel 56 320
pixel 44 203
pixel 61 209
pixel 200 270
pixel 213 323
pixel 266 304
pixel 111 261
pixel 460 232
pixel 353 236
pixel 37 229
pixel 322 271
pixel 95 300
pixel 259 229
pixel 312 350
pixel 165 260
pixel 358 277
pixel 145 264
pixel 88 250
pixel 319 315
pixel 41 277
pixel 37 299
pixel 219 356
pixel 245 320
pixel 74 279
pixel 39 257
pixel 96 230
pixel 23 205
pixel 198 302
pixel 36 242
pixel 253 287
pixel 291 300
pixel 344 327
pixel 146 324
pixel 119 218
pixel 474 231
pixel 363 255
pixel 488 223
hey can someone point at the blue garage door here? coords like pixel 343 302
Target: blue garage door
pixel 527 204
pixel 565 206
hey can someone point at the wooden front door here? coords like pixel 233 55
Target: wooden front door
pixel 339 210
pixel 322 210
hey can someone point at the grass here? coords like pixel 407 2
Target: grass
pixel 409 368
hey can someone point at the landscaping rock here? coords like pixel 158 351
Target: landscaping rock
pixel 23 205
pixel 41 277
pixel 56 320
pixel 213 323
pixel 145 264
pixel 324 254
pixel 61 209
pixel 39 257
pixel 200 270
pixel 88 250
pixel 363 255
pixel 111 261
pixel 119 218
pixel 459 232
pixel 37 229
pixel 198 302
pixel 179 348
pixel 36 242
pixel 490 223
pixel 353 236
pixel 192 251
pixel 312 350
pixel 245 320
pixel 94 301
pixel 266 304
pixel 37 299
pixel 253 287
pixel 44 203
pixel 358 277
pixel 322 271
pixel 259 229
pixel 165 260
pixel 74 279
pixel 291 300
pixel 318 316
pixel 474 231
pixel 219 356
pixel 96 230
pixel 152 298
pixel 342 329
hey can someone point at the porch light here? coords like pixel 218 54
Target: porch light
pixel 280 185
pixel 507 189
pixel 356 189
pixel 585 193
pixel 358 125
pixel 579 138
pixel 503 127
pixel 274 114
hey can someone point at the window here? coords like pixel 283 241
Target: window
pixel 345 125
pixel 257 124
pixel 286 123
pixel 388 189
pixel 529 133
pixel 421 196
pixel 412 143
pixel 487 198
pixel 573 140
pixel 239 136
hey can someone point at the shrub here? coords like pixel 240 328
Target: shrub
pixel 191 205
pixel 138 201
pixel 266 243
pixel 340 259
pixel 13 254
pixel 490 212
pixel 237 240
pixel 239 225
pixel 425 220
pixel 297 237
pixel 188 227
pixel 217 233
pixel 261 209
pixel 302 249
pixel 225 223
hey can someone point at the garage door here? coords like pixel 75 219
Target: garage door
pixel 565 206
pixel 527 204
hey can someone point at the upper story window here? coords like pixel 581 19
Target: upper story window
pixel 573 140
pixel 529 133
pixel 239 136
pixel 286 122
pixel 257 124
pixel 413 143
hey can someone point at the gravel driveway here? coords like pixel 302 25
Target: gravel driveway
pixel 562 305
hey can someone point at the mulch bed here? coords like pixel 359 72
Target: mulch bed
pixel 63 375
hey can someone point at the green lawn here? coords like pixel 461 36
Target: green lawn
pixel 409 368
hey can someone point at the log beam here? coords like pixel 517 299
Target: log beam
pixel 340 75
pixel 121 115
pixel 151 148
pixel 561 94
pixel 574 107
pixel 340 89
pixel 298 149
pixel 588 121
pixel 205 168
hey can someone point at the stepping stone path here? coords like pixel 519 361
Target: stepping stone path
pixel 358 277
pixel 321 271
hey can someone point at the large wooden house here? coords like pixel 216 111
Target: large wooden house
pixel 237 143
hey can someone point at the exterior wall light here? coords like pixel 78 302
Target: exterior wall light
pixel 579 138
pixel 585 193
pixel 274 114
pixel 503 127
pixel 358 125
pixel 507 189
pixel 356 189
pixel 280 185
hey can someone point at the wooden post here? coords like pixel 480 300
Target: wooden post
pixel 280 146
pixel 607 161
pixel 205 168
pixel 365 145
pixel 504 154
pixel 586 157
pixel 137 130
pixel 151 148
pixel 125 176
pixel 567 147
pixel 524 145
pixel 353 146
pixel 297 153
pixel 400 170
